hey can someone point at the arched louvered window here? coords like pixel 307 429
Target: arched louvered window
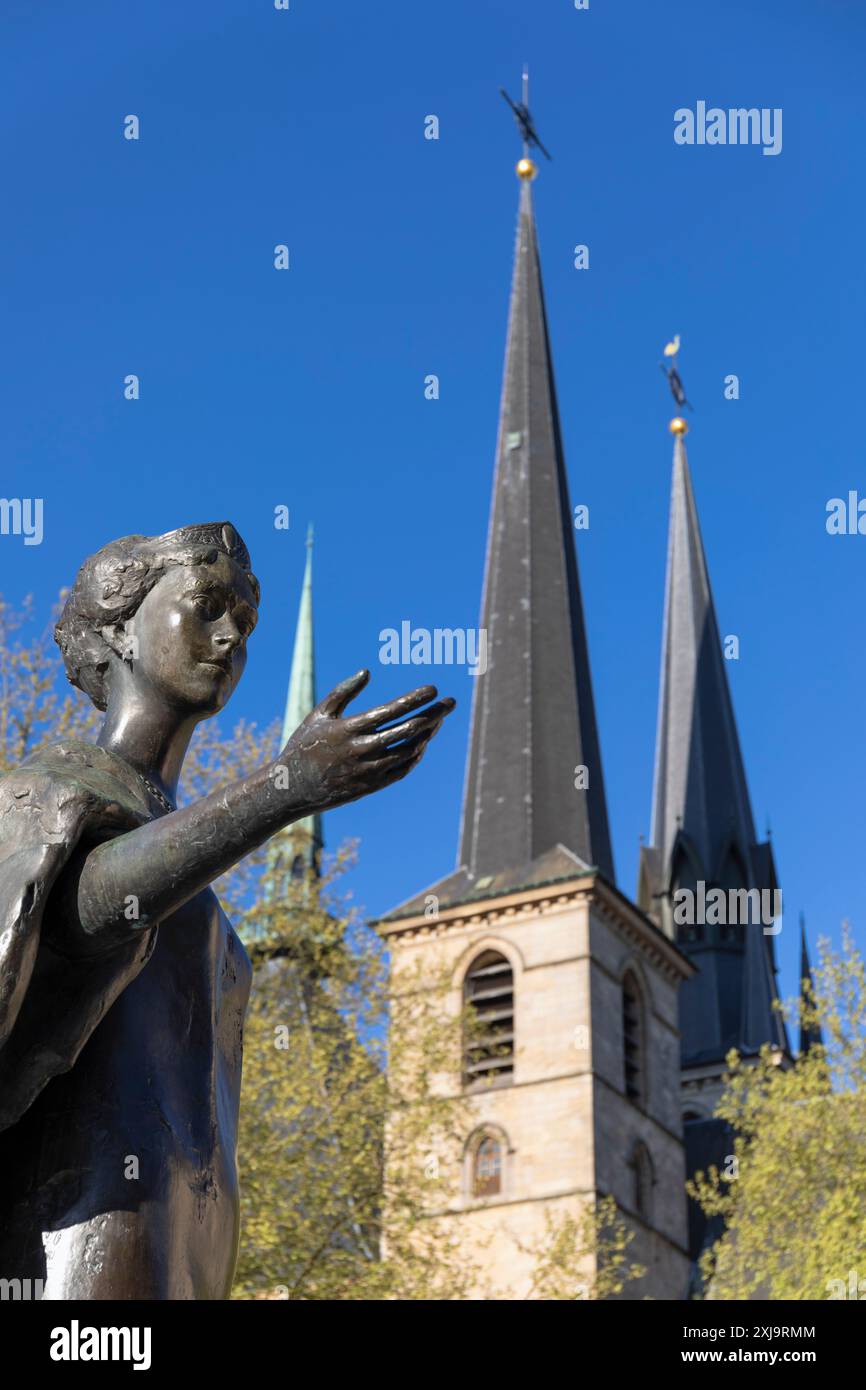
pixel 642 1174
pixel 488 992
pixel 487 1167
pixel 632 1038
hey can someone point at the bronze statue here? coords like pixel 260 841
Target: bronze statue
pixel 122 984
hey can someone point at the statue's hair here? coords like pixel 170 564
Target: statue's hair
pixel 112 584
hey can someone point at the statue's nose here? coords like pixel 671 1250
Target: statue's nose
pixel 229 640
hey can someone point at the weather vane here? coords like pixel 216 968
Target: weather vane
pixel 678 391
pixel 526 168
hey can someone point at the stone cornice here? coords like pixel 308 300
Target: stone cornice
pixel 510 908
pixel 491 912
pixel 639 928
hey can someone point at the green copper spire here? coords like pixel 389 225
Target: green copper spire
pixel 307 834
pixel 302 682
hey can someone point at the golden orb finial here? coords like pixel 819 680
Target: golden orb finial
pixel 526 168
pixel 678 425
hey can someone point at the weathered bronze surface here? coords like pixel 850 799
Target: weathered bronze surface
pixel 122 984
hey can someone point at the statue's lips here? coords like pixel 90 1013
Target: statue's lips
pixel 224 667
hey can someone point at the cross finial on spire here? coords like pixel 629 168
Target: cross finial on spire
pixel 526 167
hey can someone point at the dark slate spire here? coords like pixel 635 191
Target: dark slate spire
pixel 533 718
pixel 809 1036
pixel 699 777
pixel 702 825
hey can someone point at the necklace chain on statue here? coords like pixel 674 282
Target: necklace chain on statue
pixel 156 793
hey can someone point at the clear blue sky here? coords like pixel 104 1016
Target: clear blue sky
pixel 306 387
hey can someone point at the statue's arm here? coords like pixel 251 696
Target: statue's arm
pixel 327 762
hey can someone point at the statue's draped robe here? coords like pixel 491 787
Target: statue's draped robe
pixel 119 1064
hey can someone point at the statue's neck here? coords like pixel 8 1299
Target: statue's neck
pixel 151 738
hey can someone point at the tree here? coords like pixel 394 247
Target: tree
pixel 327 1096
pixel 795 1205
pixel 31 710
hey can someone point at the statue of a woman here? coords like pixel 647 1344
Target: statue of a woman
pixel 122 984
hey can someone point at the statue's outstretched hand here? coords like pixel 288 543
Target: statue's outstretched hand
pixel 330 760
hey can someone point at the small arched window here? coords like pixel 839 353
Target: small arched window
pixel 488 994
pixel 299 866
pixel 642 1176
pixel 487 1167
pixel 632 1038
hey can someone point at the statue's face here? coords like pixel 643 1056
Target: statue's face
pixel 189 635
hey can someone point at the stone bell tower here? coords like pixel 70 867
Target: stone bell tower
pixel 573 1084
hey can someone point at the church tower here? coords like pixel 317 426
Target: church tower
pixel 573 1085
pixel 703 840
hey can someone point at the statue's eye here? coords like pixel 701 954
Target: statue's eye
pixel 208 606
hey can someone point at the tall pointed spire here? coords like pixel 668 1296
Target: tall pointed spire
pixel 533 774
pixel 702 825
pixel 700 782
pixel 305 834
pixel 809 1036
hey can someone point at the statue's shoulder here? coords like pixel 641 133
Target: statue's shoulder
pixel 52 999
pixel 72 778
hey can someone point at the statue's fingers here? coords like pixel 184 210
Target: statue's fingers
pixel 395 709
pixel 410 750
pixel 398 764
pixel 335 702
pixel 426 722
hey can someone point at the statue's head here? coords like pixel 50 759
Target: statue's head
pixel 173 612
